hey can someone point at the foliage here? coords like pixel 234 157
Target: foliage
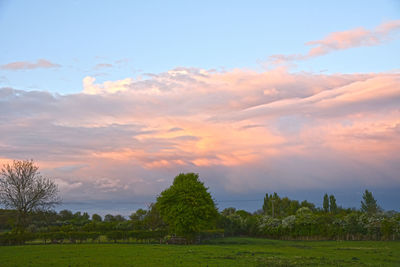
pixel 292 220
pixel 325 204
pixel 332 204
pixel 96 218
pixel 369 204
pixel 276 206
pixel 153 220
pixel 66 215
pixel 109 218
pixel 187 206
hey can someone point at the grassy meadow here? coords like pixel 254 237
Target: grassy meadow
pixel 219 252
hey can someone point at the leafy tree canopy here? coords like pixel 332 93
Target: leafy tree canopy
pixel 187 206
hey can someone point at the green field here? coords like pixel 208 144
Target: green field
pixel 220 252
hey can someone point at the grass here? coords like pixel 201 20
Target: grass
pixel 219 252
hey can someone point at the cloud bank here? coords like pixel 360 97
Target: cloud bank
pixel 243 131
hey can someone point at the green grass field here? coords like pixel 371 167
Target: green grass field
pixel 220 252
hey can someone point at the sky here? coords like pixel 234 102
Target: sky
pixel 114 99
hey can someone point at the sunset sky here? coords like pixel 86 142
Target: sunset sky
pixel 113 99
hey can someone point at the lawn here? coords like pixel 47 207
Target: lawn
pixel 219 252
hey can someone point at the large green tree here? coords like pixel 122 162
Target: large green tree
pixel 187 206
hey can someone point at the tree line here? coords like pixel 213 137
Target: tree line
pixel 283 218
pixel 184 211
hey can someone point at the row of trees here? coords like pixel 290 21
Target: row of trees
pixel 186 209
pixel 329 204
pixel 368 223
pixel 304 224
pixel 57 237
pixel 278 207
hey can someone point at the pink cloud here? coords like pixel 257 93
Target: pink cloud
pixel 353 38
pixel 245 130
pixel 344 40
pixel 25 65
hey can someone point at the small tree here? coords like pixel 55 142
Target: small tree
pixel 368 204
pixel 96 218
pixel 272 204
pixel 109 218
pixel 187 207
pixel 332 204
pixel 23 188
pixel 66 215
pixel 153 219
pixel 119 218
pixel 139 215
pixel 326 203
pixel 265 206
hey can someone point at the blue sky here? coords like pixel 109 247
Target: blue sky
pixel 156 36
pixel 114 98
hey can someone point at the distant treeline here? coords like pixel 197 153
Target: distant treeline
pixel 283 218
pixel 279 218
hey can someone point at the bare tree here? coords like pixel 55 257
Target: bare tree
pixel 23 188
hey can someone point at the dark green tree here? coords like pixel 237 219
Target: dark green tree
pixel 187 206
pixel 284 207
pixel 119 218
pixel 276 206
pixel 85 216
pixel 139 215
pixel 272 205
pixel 332 204
pixel 294 206
pixel 368 204
pixel 325 205
pixel 307 204
pixel 137 218
pixel 229 211
pixel 66 215
pixel 153 219
pixel 266 204
pixel 109 218
pixel 96 218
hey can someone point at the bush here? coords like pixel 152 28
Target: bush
pixel 209 234
pixel 16 238
pixel 116 235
